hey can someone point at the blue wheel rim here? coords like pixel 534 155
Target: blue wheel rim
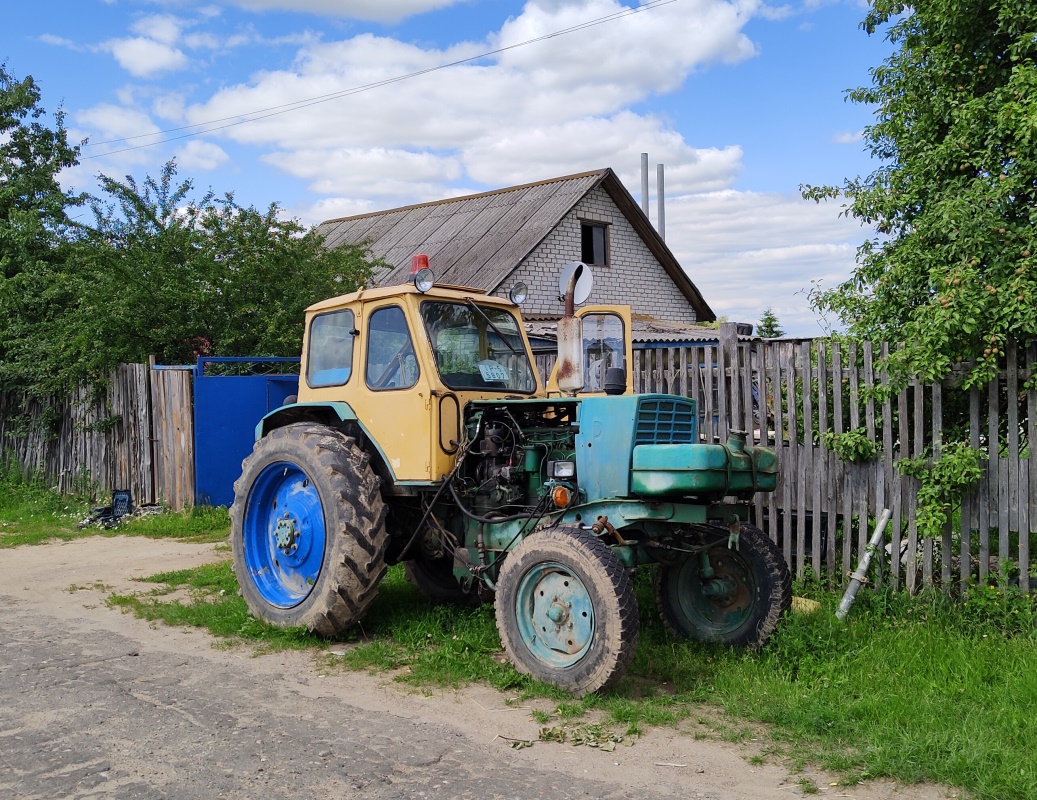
pixel 283 534
pixel 555 615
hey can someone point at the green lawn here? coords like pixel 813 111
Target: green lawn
pixel 32 512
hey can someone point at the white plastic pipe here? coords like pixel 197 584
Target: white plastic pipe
pixel 862 567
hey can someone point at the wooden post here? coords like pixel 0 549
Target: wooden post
pixel 727 361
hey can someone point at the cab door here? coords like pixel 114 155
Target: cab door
pixel 396 398
pixel 606 343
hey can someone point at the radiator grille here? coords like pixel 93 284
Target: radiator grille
pixel 665 420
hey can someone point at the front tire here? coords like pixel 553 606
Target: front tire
pixel 308 530
pixel 566 611
pixel 740 605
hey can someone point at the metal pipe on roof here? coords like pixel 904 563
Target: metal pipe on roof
pixel 661 196
pixel 644 183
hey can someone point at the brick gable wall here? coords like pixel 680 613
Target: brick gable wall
pixel 633 275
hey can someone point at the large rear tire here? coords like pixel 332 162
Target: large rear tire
pixel 308 530
pixel 740 605
pixel 566 611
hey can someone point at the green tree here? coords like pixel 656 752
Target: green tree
pixel 32 204
pixel 951 270
pixel 34 224
pixel 158 273
pixel 177 278
pixel 769 327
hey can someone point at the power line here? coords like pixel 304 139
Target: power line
pixel 284 108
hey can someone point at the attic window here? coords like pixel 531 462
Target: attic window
pixel 594 239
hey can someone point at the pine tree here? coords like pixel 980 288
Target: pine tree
pixel 769 328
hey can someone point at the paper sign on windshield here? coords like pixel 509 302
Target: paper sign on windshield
pixel 492 371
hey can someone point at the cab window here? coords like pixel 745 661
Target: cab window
pixel 391 362
pixel 330 352
pixel 604 347
pixel 477 346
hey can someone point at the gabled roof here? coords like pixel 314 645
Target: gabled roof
pixel 480 239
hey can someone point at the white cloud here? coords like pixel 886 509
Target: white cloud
pixel 528 154
pixel 169 106
pixel 145 58
pixel 595 73
pixel 776 13
pixel 108 121
pixel 163 28
pixel 732 242
pixel 332 208
pixel 57 41
pixel 375 10
pixel 372 173
pixel 209 41
pixel 651 51
pixel 846 137
pixel 199 155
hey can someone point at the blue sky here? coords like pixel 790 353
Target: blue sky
pixel 742 101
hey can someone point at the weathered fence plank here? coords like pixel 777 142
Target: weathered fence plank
pixel 173 436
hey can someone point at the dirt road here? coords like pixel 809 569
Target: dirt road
pixel 98 704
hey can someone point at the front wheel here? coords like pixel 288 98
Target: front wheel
pixel 308 530
pixel 734 597
pixel 566 611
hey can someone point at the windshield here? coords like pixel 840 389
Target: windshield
pixel 477 347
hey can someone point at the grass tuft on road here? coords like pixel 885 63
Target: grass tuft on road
pixel 209 600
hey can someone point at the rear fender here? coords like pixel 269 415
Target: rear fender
pixel 333 414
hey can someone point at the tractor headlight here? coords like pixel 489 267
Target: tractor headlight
pixel 559 470
pixel 424 280
pixel 518 293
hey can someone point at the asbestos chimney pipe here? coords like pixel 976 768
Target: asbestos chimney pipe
pixel 660 225
pixel 644 183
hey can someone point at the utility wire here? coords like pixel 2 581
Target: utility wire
pixel 284 108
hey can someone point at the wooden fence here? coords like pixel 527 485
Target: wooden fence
pixel 136 435
pixel 788 394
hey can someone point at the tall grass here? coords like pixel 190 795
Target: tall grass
pixel 31 510
pixel 913 688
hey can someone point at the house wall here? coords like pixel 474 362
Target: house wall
pixel 633 275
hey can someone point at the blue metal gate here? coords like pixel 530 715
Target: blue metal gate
pixel 231 395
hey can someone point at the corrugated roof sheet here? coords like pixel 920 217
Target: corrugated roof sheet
pixel 480 239
pixel 472 241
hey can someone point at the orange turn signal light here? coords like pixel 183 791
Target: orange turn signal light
pixel 561 496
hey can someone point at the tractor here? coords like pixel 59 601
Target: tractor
pixel 422 433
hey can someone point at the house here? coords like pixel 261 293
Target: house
pixel 528 233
